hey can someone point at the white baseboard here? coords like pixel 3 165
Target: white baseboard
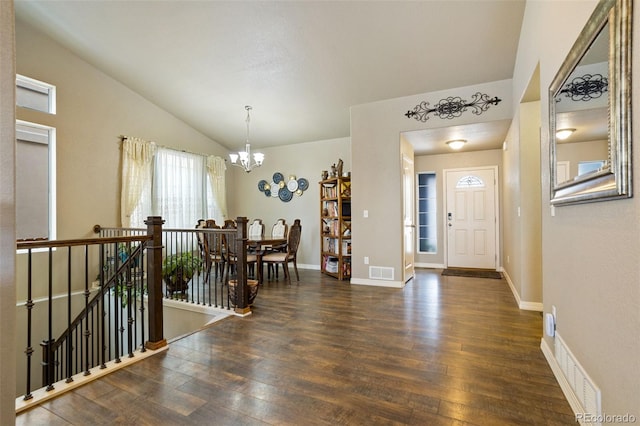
pixel 522 304
pixel 378 283
pixel 430 265
pixel 572 398
pixel 308 266
pixel 41 395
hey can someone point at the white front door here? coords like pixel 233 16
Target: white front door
pixel 471 218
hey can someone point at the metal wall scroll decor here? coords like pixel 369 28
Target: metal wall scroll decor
pixel 585 88
pixel 283 189
pixel 452 107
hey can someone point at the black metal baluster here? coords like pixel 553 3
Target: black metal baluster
pixel 129 286
pixel 47 361
pixel 95 350
pixel 101 314
pixel 87 294
pixel 142 292
pixel 69 337
pixel 116 306
pixel 29 305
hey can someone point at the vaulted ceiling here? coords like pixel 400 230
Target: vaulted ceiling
pixel 299 64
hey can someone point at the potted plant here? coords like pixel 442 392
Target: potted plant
pixel 119 288
pixel 178 269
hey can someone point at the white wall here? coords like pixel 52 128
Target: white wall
pixel 591 272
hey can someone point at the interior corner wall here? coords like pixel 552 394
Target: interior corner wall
pixel 511 237
pixel 7 215
pixel 304 160
pixel 530 257
pixel 590 252
pixel 93 112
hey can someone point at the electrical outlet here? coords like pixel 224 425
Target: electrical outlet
pixel 366 260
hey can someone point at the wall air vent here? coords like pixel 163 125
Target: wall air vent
pixel 584 389
pixel 381 273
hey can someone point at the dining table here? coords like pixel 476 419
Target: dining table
pixel 261 245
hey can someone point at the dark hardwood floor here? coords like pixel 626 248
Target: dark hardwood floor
pixel 441 351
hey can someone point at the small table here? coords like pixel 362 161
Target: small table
pixel 262 244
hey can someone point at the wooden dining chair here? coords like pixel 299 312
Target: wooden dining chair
pixel 290 255
pixel 230 254
pixel 280 229
pixel 210 249
pixel 256 230
pixel 215 249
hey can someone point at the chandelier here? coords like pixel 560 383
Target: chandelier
pixel 245 156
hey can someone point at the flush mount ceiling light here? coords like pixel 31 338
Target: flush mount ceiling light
pixel 456 144
pixel 245 156
pixel 563 134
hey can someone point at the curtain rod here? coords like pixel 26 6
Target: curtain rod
pixel 123 137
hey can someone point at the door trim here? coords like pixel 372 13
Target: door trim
pixel 496 188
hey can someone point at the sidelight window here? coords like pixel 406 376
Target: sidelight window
pixel 427 213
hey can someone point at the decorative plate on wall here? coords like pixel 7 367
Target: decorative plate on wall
pixel 277 177
pixel 283 189
pixel 275 188
pixel 303 184
pixel 292 185
pixel 285 195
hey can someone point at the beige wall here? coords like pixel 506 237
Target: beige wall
pixel 438 163
pixel 591 272
pixel 581 151
pixel 529 250
pixel 93 111
pixel 305 160
pixel 7 216
pixel 375 146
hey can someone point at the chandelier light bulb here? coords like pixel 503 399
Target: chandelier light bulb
pixel 245 156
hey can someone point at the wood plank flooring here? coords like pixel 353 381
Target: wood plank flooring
pixel 441 351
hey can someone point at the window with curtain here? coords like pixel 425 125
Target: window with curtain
pixel 180 187
pixel 179 192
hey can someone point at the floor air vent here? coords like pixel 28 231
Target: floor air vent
pixel 380 273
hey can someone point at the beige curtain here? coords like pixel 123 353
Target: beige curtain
pixel 215 170
pixel 137 172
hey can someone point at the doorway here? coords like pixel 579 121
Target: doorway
pixel 471 217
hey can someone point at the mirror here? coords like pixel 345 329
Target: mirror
pixel 590 98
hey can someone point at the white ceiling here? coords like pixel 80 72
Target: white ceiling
pixel 299 64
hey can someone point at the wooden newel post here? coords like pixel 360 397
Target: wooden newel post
pixel 242 292
pixel 154 283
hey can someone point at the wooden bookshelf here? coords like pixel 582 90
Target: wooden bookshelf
pixel 335 227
